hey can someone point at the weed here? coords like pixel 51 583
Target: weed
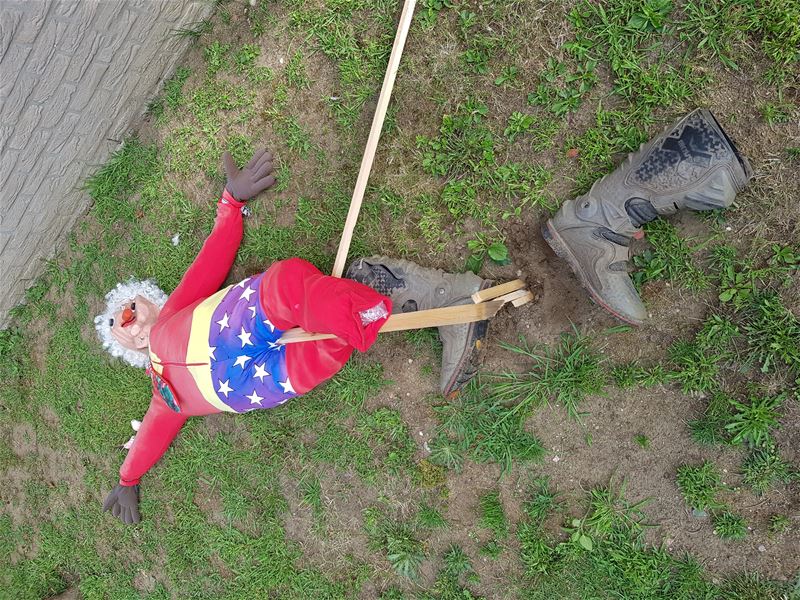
pixel 215 55
pixel 492 549
pixel 456 561
pixel 699 485
pixel 779 524
pixel 259 75
pixel 567 373
pixel 561 90
pixel 295 72
pixel 465 145
pixel 430 518
pixel 130 167
pixel 710 428
pixel 492 515
pixel 173 88
pixel 752 422
pixel 765 467
pixel 430 475
pixel 669 258
pixel 404 551
pixel 194 30
pixel 631 374
pixel 642 441
pixel 245 57
pixel 773 333
pixel 475 425
pixel 518 124
pixel 697 367
pixel 310 489
pixel 241 148
pixel 776 113
pixel 729 526
pixel 295 136
pixel 480 248
pixel 508 77
pixel 543 500
pixel 713 27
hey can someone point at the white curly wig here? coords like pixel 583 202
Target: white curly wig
pixel 115 299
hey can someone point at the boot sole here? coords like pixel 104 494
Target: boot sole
pixel 561 249
pixel 467 356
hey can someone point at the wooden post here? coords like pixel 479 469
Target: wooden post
pixel 374 136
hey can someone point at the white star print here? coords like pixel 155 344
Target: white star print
pixel 270 325
pixel 252 309
pixel 245 337
pixel 273 345
pixel 224 388
pixel 242 282
pixel 255 398
pixel 283 401
pixel 261 372
pixel 211 350
pixel 247 293
pixel 223 323
pixel 287 386
pixel 241 361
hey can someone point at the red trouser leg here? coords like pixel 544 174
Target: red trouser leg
pixel 294 293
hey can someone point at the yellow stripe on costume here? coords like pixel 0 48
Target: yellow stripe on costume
pixel 155 362
pixel 197 351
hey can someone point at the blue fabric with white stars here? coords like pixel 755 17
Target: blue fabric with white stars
pixel 248 366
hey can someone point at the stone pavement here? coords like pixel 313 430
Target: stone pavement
pixel 74 76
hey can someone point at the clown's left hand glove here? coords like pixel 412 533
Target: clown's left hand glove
pixel 123 502
pixel 253 179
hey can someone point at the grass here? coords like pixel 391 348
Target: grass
pixel 764 467
pixel 729 526
pixel 669 258
pixel 567 374
pixel 491 514
pixel 699 485
pixel 753 421
pixel 474 426
pixel 485 136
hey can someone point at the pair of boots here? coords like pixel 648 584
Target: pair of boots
pixel 692 164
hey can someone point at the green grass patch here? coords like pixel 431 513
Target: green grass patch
pixel 566 373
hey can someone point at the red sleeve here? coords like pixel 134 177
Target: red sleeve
pixel 159 427
pixel 215 259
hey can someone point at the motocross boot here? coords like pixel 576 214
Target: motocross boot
pixel 692 164
pixel 412 288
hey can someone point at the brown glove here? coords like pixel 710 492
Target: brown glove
pixel 253 179
pixel 123 501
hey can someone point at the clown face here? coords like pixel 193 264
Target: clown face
pixel 132 323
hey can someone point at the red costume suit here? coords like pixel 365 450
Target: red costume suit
pixel 201 366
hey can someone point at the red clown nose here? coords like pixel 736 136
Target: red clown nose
pixel 127 317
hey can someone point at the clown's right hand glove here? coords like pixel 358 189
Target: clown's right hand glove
pixel 253 179
pixel 123 502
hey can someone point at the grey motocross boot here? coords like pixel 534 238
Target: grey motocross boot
pixel 692 164
pixel 412 288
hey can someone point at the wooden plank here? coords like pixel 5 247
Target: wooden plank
pixel 497 290
pixel 374 136
pixel 436 317
pixel 527 297
pixel 513 296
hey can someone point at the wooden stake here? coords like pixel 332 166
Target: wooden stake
pixel 498 290
pixel 451 315
pixel 374 136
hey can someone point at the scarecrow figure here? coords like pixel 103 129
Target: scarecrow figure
pixel 209 350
